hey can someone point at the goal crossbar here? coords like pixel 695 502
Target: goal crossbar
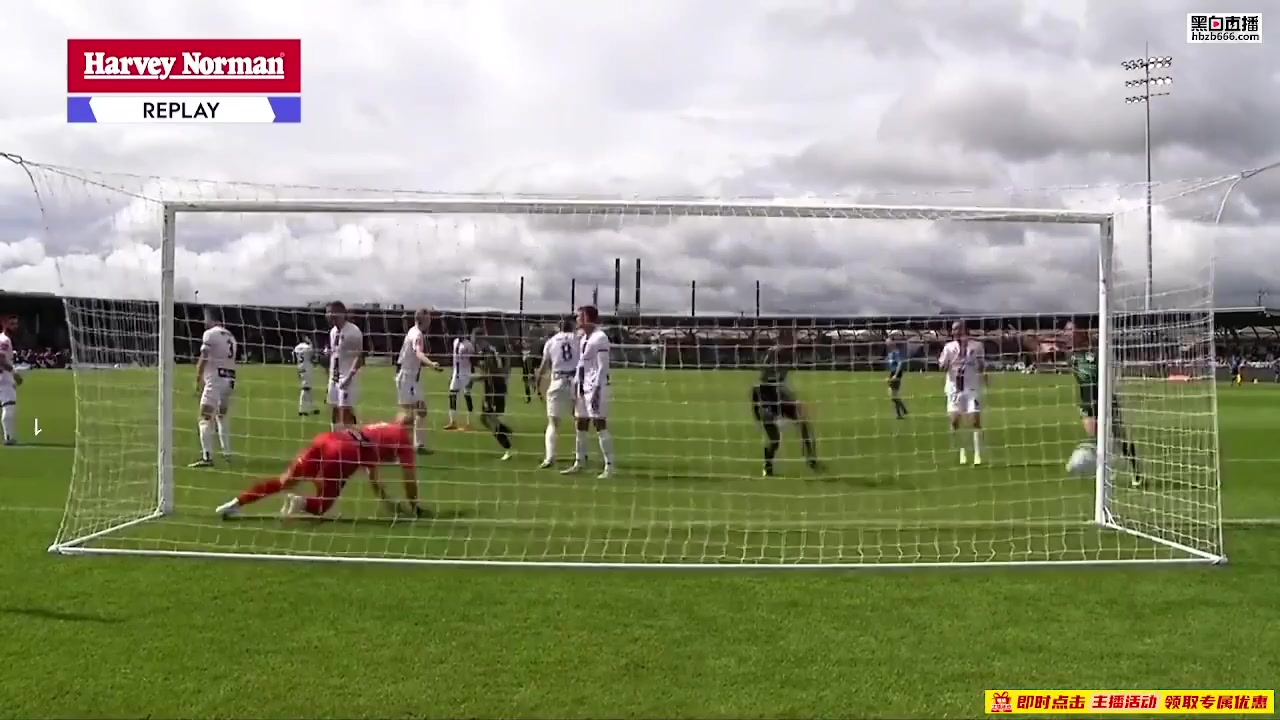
pixel 550 205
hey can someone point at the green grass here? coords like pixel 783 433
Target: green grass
pixel 129 637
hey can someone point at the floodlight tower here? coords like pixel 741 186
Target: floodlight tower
pixel 1148 87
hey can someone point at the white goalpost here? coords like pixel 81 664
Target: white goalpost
pixel 688 491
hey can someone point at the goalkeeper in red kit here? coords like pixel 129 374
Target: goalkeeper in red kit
pixel 331 460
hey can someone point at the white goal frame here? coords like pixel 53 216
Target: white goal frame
pixel 549 205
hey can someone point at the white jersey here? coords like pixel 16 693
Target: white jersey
pixel 304 356
pixel 7 353
pixel 463 355
pixel 414 343
pixel 346 345
pixel 593 364
pixel 218 347
pixel 561 354
pixel 962 360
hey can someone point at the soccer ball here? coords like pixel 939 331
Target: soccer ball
pixel 1083 460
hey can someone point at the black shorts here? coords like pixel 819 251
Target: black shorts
pixel 495 399
pixel 770 403
pixel 529 366
pixel 895 383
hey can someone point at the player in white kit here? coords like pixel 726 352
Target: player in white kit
pixel 9 381
pixel 464 353
pixel 559 360
pixel 215 382
pixel 962 360
pixel 304 355
pixel 591 406
pixel 346 357
pixel 409 395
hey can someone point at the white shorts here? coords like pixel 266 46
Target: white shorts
pixel 8 393
pixel 304 379
pixel 593 405
pixel 217 393
pixel 338 397
pixel 458 383
pixel 407 391
pixel 560 397
pixel 963 403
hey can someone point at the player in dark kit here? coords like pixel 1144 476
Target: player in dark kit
pixel 773 401
pixel 897 363
pixel 1084 366
pixel 493 373
pixel 1237 369
pixel 529 361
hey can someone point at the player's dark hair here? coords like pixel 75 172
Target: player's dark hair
pixel 566 324
pixel 590 312
pixel 337 306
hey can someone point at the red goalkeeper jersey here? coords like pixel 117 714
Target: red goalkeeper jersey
pixel 386 444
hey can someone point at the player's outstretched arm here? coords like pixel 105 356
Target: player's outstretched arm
pixel 200 365
pixel 381 492
pixel 420 350
pixel 410 480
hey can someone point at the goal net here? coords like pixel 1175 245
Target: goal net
pixel 848 284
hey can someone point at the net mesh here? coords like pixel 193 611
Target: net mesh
pixel 689 450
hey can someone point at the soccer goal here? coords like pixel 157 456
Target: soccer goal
pixel 852 286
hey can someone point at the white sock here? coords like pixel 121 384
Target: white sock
pixel 977 442
pixel 224 434
pixel 304 401
pixel 9 420
pixel 206 438
pixel 551 438
pixel 420 432
pixel 606 446
pixel 580 446
pixel 453 416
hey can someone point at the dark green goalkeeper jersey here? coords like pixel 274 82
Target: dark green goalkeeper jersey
pixel 1084 366
pixel 776 364
pixel 493 369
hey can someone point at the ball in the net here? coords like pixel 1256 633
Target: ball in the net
pixel 1083 459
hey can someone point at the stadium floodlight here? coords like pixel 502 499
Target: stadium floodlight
pixel 1143 95
pixel 687 491
pixel 466 283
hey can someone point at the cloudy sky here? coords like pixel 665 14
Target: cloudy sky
pixel 888 102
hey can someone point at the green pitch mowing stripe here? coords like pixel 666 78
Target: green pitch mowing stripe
pixel 130 637
pixel 687 489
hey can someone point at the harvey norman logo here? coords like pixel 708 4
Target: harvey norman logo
pixel 236 80
pixel 194 65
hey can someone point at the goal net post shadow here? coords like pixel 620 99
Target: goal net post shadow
pixel 688 448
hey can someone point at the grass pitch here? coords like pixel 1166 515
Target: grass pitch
pixel 129 637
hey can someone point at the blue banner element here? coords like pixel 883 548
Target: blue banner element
pixel 287 109
pixel 79 111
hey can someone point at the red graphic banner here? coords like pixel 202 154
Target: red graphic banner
pixel 190 67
